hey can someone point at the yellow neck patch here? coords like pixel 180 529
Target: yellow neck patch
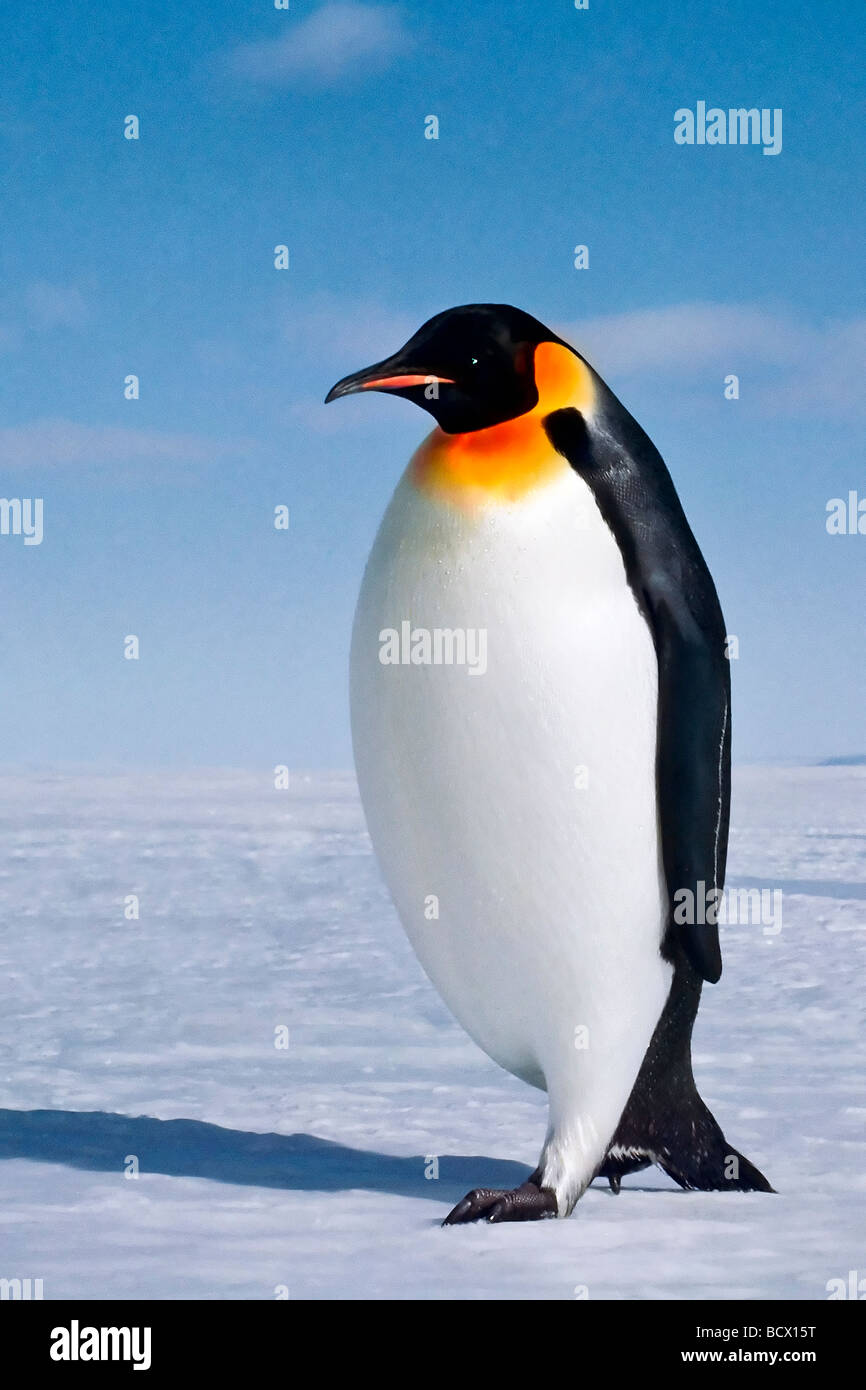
pixel 503 463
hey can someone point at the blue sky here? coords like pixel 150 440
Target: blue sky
pixel 306 127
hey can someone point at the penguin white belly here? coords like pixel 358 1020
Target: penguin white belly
pixel 512 806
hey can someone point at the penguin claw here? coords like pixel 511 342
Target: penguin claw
pixel 525 1203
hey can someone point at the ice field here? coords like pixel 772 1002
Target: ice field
pixel 266 1169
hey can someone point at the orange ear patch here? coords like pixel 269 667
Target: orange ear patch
pixel 504 462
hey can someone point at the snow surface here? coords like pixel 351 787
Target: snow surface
pixel 305 1167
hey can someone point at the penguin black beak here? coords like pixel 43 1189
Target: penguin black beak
pixel 393 374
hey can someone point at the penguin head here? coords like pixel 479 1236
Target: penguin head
pixel 470 367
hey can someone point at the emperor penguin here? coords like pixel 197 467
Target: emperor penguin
pixel 540 702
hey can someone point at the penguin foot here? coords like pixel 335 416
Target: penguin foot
pixel 529 1202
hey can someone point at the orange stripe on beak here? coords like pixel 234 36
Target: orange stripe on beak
pixel 393 383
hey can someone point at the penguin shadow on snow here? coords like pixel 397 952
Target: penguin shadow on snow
pixel 100 1142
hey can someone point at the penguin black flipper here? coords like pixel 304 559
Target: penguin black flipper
pixel 675 592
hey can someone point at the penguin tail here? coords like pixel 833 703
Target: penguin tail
pixel 665 1121
pixel 686 1143
pixel 712 1167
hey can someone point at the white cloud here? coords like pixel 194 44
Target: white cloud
pixel 55 306
pixel 832 378
pixel 794 367
pixel 219 353
pixel 685 335
pixel 60 442
pixel 351 333
pixel 332 41
pixel 311 416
